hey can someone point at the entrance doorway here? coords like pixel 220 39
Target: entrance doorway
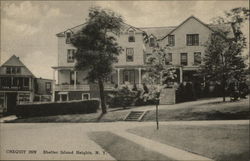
pixel 11 102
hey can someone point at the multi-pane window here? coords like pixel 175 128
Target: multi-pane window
pixel 171 40
pixel 184 59
pixel 85 96
pixel 68 36
pixel 168 59
pixel 26 82
pixel 8 70
pixel 151 42
pixel 23 97
pixel 197 58
pixel 192 39
pixel 15 81
pixel 70 55
pixel 129 54
pixel 131 36
pixel 13 70
pixel 48 86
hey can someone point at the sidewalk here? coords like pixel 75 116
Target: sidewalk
pixel 168 151
pixel 7 118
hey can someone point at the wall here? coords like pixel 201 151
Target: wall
pixel 62 52
pixel 137 46
pixel 41 86
pixel 191 26
pixel 63 76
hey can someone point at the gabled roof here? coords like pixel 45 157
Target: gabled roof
pixel 185 22
pixel 16 62
pixel 13 61
pixel 75 29
pixel 158 32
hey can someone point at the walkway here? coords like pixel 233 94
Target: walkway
pixel 74 137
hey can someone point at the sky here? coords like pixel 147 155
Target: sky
pixel 29 28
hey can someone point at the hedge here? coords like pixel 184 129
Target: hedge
pixel 57 108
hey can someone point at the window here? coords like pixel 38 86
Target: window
pixel 13 70
pixel 192 39
pixel 68 36
pixel 129 54
pixel 23 97
pixel 48 86
pixel 15 82
pixel 85 96
pixel 197 58
pixel 8 70
pixel 151 42
pixel 131 36
pixel 70 56
pixel 184 59
pixel 171 40
pixel 26 82
pixel 168 59
pixel 18 70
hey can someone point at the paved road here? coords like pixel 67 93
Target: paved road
pixel 68 137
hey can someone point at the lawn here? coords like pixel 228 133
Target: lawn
pixel 210 110
pixel 122 149
pixel 218 142
pixel 207 111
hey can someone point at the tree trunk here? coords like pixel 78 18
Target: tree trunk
pixel 224 88
pixel 101 88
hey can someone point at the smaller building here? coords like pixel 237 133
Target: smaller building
pixel 43 90
pixel 16 84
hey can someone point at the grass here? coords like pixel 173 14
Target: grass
pixel 218 142
pixel 123 149
pixel 209 110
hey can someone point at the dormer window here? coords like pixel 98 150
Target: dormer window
pixel 68 36
pixel 131 36
pixel 13 70
pixel 151 42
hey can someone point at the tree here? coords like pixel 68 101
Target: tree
pixel 158 68
pixel 97 49
pixel 223 56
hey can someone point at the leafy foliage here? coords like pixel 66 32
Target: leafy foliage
pixel 96 45
pixel 223 56
pixel 158 70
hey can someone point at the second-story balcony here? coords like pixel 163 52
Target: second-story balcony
pixel 80 87
pixel 69 87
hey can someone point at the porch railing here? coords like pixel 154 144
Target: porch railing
pixel 67 87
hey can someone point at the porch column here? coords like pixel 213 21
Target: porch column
pixel 53 86
pixel 181 75
pixel 75 79
pixel 118 77
pixel 30 83
pixel 60 99
pixel 139 70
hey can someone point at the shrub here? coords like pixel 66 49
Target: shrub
pixel 57 108
pixel 185 93
pixel 121 98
